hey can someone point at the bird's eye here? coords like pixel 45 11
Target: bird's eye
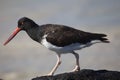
pixel 21 23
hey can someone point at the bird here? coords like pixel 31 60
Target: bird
pixel 61 39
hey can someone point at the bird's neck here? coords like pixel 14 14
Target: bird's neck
pixel 35 33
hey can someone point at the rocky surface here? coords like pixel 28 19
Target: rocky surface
pixel 84 74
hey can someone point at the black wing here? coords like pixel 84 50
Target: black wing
pixel 61 35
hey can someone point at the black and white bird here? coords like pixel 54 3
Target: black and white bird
pixel 58 38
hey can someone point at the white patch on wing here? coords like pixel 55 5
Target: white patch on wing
pixel 65 49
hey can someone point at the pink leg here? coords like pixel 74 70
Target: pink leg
pixel 77 67
pixel 56 66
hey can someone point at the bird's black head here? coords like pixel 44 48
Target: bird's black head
pixel 25 23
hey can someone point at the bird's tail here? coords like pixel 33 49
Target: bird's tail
pixel 101 37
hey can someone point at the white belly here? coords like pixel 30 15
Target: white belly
pixel 65 49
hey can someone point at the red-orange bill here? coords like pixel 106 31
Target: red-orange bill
pixel 12 35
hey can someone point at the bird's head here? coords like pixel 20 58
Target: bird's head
pixel 23 24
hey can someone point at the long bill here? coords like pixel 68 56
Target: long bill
pixel 12 35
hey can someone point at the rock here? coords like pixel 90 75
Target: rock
pixel 84 74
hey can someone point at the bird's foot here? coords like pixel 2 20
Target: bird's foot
pixel 50 74
pixel 77 68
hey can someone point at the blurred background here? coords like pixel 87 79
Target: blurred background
pixel 23 58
